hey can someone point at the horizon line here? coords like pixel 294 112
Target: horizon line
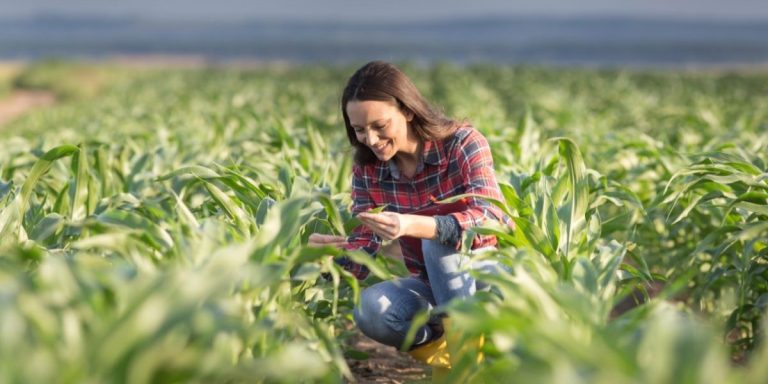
pixel 608 16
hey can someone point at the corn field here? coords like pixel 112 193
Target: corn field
pixel 155 230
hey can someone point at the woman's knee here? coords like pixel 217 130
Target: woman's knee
pixel 374 301
pixel 386 309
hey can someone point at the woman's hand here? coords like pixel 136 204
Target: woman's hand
pixel 388 225
pixel 320 240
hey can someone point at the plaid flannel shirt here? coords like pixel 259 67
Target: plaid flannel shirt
pixel 456 165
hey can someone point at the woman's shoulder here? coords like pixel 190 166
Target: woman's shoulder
pixel 464 130
pixel 464 135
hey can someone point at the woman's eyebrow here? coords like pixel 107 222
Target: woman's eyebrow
pixel 384 119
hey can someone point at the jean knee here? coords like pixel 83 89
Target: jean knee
pixel 367 314
pixel 385 311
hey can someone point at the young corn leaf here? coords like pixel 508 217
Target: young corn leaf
pixel 579 189
pixel 159 238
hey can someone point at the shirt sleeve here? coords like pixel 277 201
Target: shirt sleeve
pixel 476 163
pixel 361 237
pixel 448 230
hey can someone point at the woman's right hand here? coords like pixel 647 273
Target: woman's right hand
pixel 320 240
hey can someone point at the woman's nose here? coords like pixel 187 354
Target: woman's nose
pixel 371 138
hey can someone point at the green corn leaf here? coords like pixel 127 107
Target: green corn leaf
pixel 79 190
pixel 195 171
pixel 333 215
pixel 158 236
pixel 579 188
pixel 11 216
pixel 229 207
pixel 41 167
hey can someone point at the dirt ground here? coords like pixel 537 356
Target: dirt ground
pixel 385 364
pixel 22 101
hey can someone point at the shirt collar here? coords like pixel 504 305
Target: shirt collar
pixel 431 155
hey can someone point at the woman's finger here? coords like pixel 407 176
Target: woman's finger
pixel 378 218
pixel 341 240
pixel 379 221
pixel 319 240
pixel 374 226
pixel 387 224
pixel 383 232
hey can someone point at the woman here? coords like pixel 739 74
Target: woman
pixel 408 155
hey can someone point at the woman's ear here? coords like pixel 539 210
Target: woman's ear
pixel 405 111
pixel 408 114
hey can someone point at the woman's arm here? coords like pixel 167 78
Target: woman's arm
pixel 474 158
pixel 391 225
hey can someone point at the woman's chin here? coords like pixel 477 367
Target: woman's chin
pixel 383 156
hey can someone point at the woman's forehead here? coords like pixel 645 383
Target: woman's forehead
pixel 368 111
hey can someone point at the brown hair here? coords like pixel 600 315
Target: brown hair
pixel 382 81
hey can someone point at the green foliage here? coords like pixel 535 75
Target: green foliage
pixel 157 232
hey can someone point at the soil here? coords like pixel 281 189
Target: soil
pixel 20 102
pixel 385 364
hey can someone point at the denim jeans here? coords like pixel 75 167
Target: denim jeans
pixel 386 309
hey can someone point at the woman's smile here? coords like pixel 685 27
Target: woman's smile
pixel 380 149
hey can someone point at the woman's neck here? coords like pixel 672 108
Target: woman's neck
pixel 408 160
pixel 411 150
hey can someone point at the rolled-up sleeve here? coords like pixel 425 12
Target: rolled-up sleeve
pixel 476 164
pixel 361 237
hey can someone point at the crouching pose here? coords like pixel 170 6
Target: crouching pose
pixel 407 156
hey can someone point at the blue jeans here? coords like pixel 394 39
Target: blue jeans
pixel 386 309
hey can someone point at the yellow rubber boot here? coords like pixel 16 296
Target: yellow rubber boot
pixel 435 353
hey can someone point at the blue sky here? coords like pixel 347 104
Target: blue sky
pixel 388 10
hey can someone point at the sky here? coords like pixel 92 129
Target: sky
pixel 388 10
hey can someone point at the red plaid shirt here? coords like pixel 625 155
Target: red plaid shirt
pixel 456 165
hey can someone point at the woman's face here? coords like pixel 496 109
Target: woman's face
pixel 382 127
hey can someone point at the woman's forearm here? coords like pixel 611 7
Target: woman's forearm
pixel 422 227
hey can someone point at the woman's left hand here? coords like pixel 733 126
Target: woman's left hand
pixel 388 225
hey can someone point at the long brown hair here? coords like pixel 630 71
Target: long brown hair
pixel 382 81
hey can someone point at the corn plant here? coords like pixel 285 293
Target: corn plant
pixel 157 232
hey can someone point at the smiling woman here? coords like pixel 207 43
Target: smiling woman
pixel 408 156
pixel 383 128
